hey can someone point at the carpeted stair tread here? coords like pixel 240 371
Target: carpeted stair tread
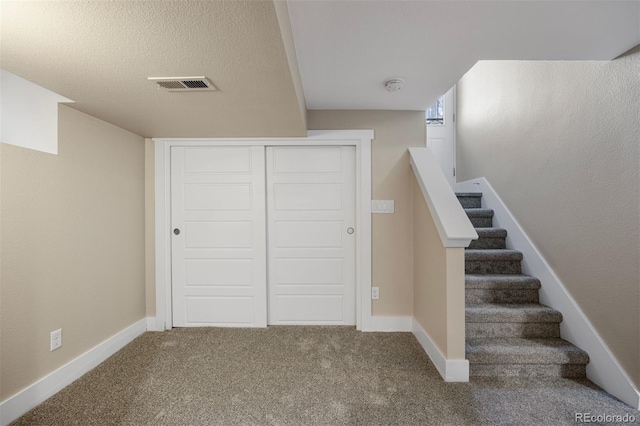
pixel 514 350
pixel 511 312
pixel 470 200
pixel 501 282
pixel 492 254
pixel 476 212
pixel 491 232
pixel 488 238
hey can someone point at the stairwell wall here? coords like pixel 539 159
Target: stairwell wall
pixel 559 141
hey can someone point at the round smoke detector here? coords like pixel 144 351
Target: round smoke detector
pixel 394 84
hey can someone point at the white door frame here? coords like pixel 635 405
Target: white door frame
pixel 361 139
pixel 449 120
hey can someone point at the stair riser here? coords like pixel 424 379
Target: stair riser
pixel 488 243
pixel 532 357
pixel 473 295
pixel 492 267
pixel 470 202
pixel 500 329
pixel 528 370
pixel 481 222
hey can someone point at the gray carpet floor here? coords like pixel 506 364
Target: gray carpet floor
pixel 303 376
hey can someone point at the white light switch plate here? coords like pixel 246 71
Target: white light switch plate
pixel 382 206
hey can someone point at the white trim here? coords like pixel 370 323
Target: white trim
pixel 389 324
pixel 454 227
pixel 451 370
pixel 603 368
pixel 152 324
pixel 35 394
pixel 163 258
pixel 361 139
pixel 455 133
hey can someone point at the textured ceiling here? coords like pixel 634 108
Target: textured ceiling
pixel 347 49
pixel 100 54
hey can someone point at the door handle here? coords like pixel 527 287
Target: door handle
pixel 350 230
pixel 176 231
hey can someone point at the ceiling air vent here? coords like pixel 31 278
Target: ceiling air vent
pixel 183 84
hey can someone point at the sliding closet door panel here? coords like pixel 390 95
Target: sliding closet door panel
pixel 311 234
pixel 218 236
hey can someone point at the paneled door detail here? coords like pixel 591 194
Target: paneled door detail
pixel 311 234
pixel 218 236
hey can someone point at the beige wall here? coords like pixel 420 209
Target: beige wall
pixel 559 141
pixel 438 282
pixel 392 238
pixel 72 246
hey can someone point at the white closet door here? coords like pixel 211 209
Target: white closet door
pixel 219 253
pixel 311 235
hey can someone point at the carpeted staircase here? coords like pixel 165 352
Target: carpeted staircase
pixel 508 332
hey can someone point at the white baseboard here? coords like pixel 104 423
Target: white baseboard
pixel 603 368
pixel 152 324
pixel 451 370
pixel 389 324
pixel 25 400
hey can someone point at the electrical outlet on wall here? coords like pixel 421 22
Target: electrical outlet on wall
pixel 375 293
pixel 56 339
